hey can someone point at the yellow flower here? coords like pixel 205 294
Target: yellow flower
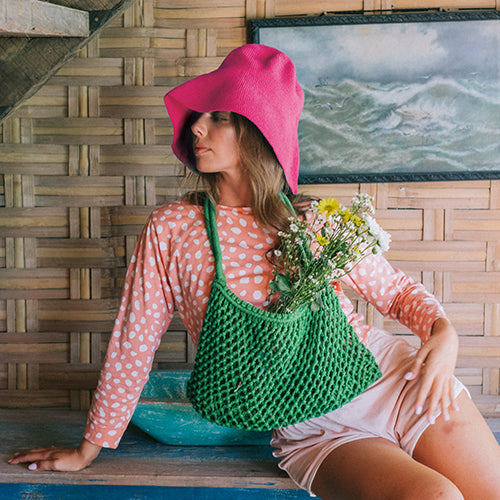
pixel 356 220
pixel 348 215
pixel 322 240
pixel 328 206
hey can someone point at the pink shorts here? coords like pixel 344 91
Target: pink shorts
pixel 386 409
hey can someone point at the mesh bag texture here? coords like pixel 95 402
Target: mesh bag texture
pixel 260 370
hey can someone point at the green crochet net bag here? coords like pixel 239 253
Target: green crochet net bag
pixel 260 370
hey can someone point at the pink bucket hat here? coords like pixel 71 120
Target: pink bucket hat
pixel 255 81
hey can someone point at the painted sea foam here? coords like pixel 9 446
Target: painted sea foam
pixel 437 124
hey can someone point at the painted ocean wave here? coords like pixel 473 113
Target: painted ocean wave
pixel 434 125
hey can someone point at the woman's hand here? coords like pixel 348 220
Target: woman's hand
pixel 435 364
pixel 59 459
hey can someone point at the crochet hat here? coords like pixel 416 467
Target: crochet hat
pixel 255 81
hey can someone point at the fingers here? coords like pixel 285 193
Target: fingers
pixel 437 397
pixel 438 391
pixel 36 451
pixel 44 465
pixel 415 368
pixel 38 458
pixel 453 399
pixel 28 456
pixel 447 399
pixel 424 392
pixel 20 454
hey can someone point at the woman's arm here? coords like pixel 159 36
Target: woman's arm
pixel 59 459
pixel 145 311
pixel 396 295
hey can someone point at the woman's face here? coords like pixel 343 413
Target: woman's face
pixel 215 144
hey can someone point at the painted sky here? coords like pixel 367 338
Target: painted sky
pixel 397 52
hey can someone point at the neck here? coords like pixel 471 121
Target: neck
pixel 235 192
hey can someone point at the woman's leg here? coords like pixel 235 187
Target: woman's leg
pixel 464 450
pixel 376 469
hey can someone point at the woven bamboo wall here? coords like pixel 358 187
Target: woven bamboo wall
pixel 86 159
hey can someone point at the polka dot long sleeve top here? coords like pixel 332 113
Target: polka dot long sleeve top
pixel 173 268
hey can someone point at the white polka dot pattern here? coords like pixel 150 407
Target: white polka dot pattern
pixel 173 267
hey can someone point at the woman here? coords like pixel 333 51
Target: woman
pixel 414 433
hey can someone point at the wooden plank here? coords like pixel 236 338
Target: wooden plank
pixel 305 7
pixel 32 153
pixel 27 281
pixel 488 405
pixel 96 71
pixel 195 4
pixel 467 320
pixel 197 23
pixel 139 459
pixel 78 130
pixel 487 349
pixel 37 18
pixel 403 225
pixel 133 102
pixel 150 160
pixel 201 12
pixel 51 100
pixel 34 353
pixel 33 222
pixel 74 378
pixel 445 195
pixel 492 320
pixel 442 4
pixel 342 192
pixel 34 399
pixel 478 287
pixel 476 225
pixel 432 255
pixel 228 39
pixel 74 253
pixel 75 315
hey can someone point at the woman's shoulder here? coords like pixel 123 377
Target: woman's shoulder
pixel 177 210
pixel 176 216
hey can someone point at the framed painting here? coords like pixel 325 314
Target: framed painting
pixel 394 97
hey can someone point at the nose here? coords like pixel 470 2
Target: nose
pixel 199 127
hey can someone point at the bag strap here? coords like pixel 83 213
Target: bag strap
pixel 287 202
pixel 211 225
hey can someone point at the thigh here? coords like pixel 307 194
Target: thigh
pixel 377 469
pixel 464 450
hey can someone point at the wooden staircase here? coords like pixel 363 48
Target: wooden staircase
pixel 27 61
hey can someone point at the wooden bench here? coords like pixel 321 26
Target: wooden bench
pixel 139 468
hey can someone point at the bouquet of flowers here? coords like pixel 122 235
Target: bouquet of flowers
pixel 322 250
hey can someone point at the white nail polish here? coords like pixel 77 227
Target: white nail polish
pixel 409 375
pixel 32 466
pixel 418 411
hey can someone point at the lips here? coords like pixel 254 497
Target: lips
pixel 200 149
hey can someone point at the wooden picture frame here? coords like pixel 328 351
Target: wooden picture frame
pixel 394 97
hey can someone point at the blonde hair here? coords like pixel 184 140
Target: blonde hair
pixel 264 172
